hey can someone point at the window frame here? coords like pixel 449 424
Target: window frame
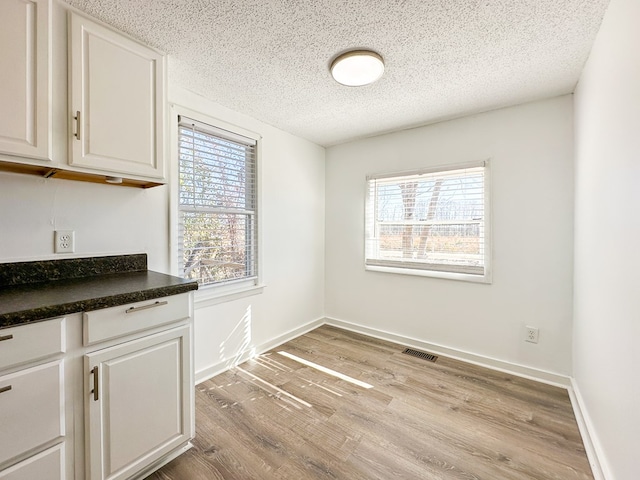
pixel 213 294
pixel 485 277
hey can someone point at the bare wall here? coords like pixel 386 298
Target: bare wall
pixel 530 147
pixel 107 219
pixel 607 236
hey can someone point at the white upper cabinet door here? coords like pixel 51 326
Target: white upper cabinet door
pixel 25 78
pixel 117 102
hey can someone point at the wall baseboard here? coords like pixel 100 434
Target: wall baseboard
pixel 220 367
pixel 589 439
pixel 483 361
pixel 538 375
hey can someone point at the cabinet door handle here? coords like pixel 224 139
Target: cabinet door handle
pixel 6 337
pixel 5 389
pixel 96 383
pixel 78 124
pixel 144 307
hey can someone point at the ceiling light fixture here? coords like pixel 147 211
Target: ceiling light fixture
pixel 357 68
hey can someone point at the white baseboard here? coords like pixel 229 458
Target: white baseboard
pixel 224 365
pixel 481 360
pixel 538 375
pixel 589 439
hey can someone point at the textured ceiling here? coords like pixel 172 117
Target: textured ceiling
pixel 444 58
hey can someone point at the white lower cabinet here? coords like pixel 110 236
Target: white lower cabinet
pixel 48 465
pixel 139 401
pixel 33 413
pixel 31 409
pixel 101 395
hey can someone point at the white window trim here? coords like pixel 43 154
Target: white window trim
pixel 487 277
pixel 208 295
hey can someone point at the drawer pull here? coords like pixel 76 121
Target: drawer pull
pixel 5 389
pixel 144 307
pixel 6 337
pixel 96 383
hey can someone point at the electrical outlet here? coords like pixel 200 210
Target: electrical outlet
pixel 64 241
pixel 531 334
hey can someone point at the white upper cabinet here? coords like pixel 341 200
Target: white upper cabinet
pixel 116 102
pixel 25 78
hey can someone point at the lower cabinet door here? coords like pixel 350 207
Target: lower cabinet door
pixel 139 400
pixel 48 465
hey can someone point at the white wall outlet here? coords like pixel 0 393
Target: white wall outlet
pixel 64 241
pixel 531 334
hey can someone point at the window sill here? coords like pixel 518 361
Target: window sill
pixel 464 277
pixel 209 296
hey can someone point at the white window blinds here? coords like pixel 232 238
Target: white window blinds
pixel 217 204
pixel 428 220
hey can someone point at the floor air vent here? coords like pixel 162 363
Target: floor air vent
pixel 424 355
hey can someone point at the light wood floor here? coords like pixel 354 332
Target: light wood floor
pixel 276 418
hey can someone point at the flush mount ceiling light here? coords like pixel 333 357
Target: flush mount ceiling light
pixel 357 68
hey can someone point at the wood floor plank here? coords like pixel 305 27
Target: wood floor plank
pixel 287 418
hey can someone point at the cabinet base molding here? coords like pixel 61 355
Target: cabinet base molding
pixel 158 464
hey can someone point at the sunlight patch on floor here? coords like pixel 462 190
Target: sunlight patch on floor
pixel 273 387
pixel 315 384
pixel 320 368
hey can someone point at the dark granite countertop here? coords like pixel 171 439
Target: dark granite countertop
pixel 33 291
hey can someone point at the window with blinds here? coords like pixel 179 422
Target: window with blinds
pixel 429 221
pixel 217 224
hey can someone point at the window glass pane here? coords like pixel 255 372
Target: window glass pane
pixel 217 205
pixel 216 247
pixel 216 174
pixel 428 221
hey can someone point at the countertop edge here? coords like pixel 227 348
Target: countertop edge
pixel 24 317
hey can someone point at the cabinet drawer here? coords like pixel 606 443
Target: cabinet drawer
pixel 31 409
pixel 48 465
pixel 30 342
pixel 114 322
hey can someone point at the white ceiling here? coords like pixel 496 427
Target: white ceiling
pixel 444 58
